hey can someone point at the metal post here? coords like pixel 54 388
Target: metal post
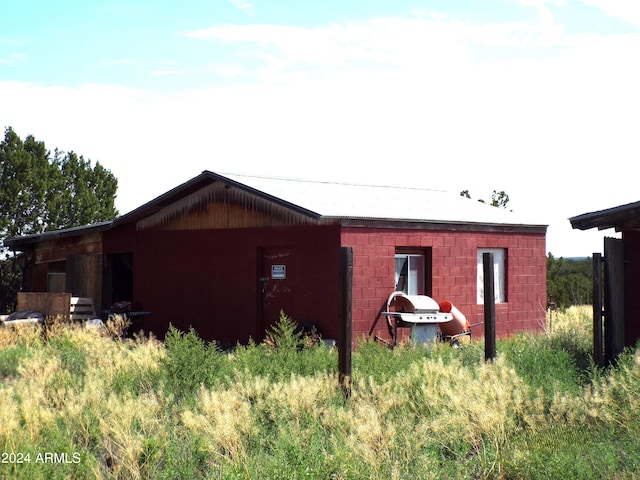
pixel 551 307
pixel 613 299
pixel 489 308
pixel 598 355
pixel 344 340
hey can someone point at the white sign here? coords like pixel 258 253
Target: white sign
pixel 279 272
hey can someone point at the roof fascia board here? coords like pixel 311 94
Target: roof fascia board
pixel 265 196
pixel 448 226
pixel 19 243
pixel 616 217
pixel 205 178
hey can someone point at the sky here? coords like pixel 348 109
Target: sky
pixel 537 98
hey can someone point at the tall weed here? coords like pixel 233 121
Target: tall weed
pixel 542 363
pixel 277 411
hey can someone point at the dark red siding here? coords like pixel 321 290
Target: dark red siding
pixel 454 274
pixel 120 239
pixel 631 286
pixel 209 279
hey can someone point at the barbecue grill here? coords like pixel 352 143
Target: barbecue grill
pixel 420 313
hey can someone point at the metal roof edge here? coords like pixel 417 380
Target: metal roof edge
pixel 205 178
pixel 155 204
pixel 442 225
pixel 23 240
pixel 606 218
pixel 266 196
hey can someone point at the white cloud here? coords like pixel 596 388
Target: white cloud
pixel 423 100
pixel 168 72
pixel 409 44
pixel 334 43
pixel 627 10
pixel 243 5
pixel 541 6
pixel 13 59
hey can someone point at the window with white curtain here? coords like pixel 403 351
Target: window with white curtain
pixel 410 273
pixel 499 274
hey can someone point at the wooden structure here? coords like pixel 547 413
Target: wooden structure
pixel 225 254
pixel 57 305
pixel 48 304
pixel 616 280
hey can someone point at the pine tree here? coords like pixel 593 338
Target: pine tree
pixel 41 192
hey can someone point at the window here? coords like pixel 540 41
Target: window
pixel 410 273
pixel 56 282
pixel 499 274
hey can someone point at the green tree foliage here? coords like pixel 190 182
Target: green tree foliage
pixel 41 192
pixel 569 281
pixel 498 199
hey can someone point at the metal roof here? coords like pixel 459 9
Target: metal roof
pixel 14 242
pixel 377 202
pixel 622 217
pixel 321 201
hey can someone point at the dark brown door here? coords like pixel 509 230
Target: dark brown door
pixel 277 285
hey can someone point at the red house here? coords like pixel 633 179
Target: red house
pixel 225 254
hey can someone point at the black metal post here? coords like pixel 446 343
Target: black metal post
pixel 598 354
pixel 613 299
pixel 489 307
pixel 344 340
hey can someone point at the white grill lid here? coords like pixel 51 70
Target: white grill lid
pixel 413 303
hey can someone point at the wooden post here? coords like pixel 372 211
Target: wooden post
pixel 344 340
pixel 597 310
pixel 613 299
pixel 489 307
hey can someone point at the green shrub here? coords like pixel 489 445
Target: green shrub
pixel 71 354
pixel 563 453
pixel 539 362
pixel 378 361
pixel 285 351
pixel 134 375
pixel 10 358
pixel 285 335
pixel 188 363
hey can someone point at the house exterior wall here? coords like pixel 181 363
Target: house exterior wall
pixel 209 279
pixel 454 274
pixel 120 239
pixel 58 256
pixel 631 239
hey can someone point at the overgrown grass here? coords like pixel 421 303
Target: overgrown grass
pixel 184 409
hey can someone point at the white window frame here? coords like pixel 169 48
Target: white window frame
pixel 416 265
pixel 499 274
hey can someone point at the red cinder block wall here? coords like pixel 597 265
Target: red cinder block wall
pixel 453 274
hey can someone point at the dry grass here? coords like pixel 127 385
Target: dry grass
pixel 82 391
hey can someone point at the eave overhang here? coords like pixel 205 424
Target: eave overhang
pixel 623 217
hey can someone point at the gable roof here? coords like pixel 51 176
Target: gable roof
pixel 622 217
pixel 317 202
